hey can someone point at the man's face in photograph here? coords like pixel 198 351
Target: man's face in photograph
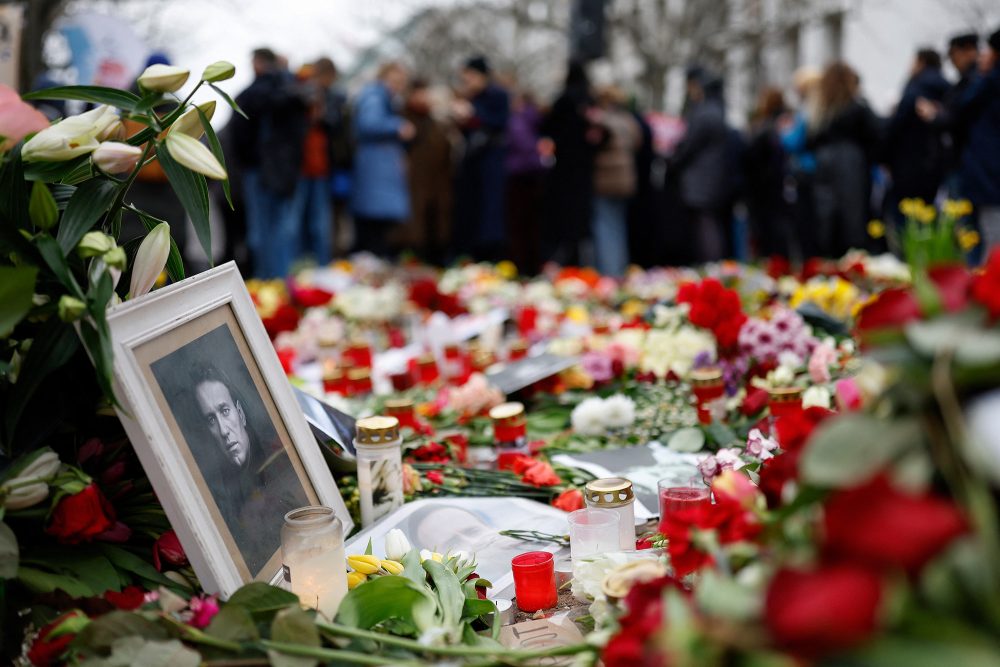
pixel 225 420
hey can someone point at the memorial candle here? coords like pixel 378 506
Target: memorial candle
pixel 312 555
pixel 680 498
pixel 534 580
pixel 707 385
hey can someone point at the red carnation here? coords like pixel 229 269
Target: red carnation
pixel 569 500
pixel 727 517
pixel 818 611
pixel 644 616
pixel 130 598
pixel 755 401
pixel 882 527
pixel 432 452
pixel 45 651
pixel 81 517
pixel 435 477
pixel 167 550
pixel 986 286
pixel 794 429
pixel 891 309
pixel 541 474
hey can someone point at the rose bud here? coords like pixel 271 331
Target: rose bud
pixel 150 259
pixel 191 153
pixel 163 78
pixel 81 517
pixel 167 550
pixel 115 157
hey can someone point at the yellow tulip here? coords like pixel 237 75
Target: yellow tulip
pixel 956 209
pixel 968 239
pixel 355 579
pixel 364 564
pixel 507 269
pixel 926 214
pixel 876 229
pixel 392 567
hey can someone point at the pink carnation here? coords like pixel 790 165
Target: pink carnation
pixel 823 357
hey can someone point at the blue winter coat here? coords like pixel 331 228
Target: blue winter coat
pixel 979 172
pixel 380 189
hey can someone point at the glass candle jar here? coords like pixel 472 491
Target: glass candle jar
pixel 333 382
pixel 358 353
pixel 454 365
pixel 402 410
pixel 615 494
pixel 518 350
pixel 593 531
pixel 784 401
pixel 380 467
pixel 427 370
pixel 359 381
pixel 313 560
pixel 510 433
pixel 707 385
pixel 534 580
pixel 680 498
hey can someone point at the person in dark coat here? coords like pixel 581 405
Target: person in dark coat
pixel 765 169
pixel 963 52
pixel 642 246
pixel 571 144
pixel 269 153
pixel 844 134
pixel 525 176
pixel 481 114
pixel 915 149
pixel 702 163
pixel 979 169
pixel 380 198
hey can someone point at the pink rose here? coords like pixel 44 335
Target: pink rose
pixel 822 358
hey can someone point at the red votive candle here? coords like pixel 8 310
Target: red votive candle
pixel 358 354
pixel 784 401
pixel 679 499
pixel 427 369
pixel 534 580
pixel 707 385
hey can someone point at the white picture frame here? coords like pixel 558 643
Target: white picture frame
pixel 211 311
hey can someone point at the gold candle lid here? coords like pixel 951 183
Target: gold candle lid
pixel 519 345
pixel 327 342
pixel 333 374
pixel 786 394
pixel 377 430
pixel 609 492
pixel 425 359
pixel 358 344
pixel 400 404
pixel 507 411
pixel 358 374
pixel 710 375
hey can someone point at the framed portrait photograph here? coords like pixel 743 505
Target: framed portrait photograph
pixel 216 425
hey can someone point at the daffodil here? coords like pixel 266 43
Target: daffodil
pixel 956 209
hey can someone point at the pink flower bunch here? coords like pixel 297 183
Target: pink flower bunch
pixel 627 354
pixel 714 465
pixel 760 446
pixel 474 397
pixel 785 331
pixel 598 366
pixel 823 357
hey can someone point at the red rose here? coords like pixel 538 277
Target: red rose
pixel 435 477
pixel 883 527
pixel 569 500
pixel 891 309
pixel 310 297
pixel 775 473
pixel 755 401
pixel 130 598
pixel 45 651
pixel 81 517
pixel 432 452
pixel 541 474
pixel 643 617
pixel 986 286
pixel 793 430
pixel 953 283
pixel 730 521
pixel 167 550
pixel 284 318
pixel 818 611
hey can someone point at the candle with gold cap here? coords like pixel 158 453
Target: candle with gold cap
pixel 380 467
pixel 615 494
pixel 510 433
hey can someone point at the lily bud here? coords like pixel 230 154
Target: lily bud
pixel 150 260
pixel 70 308
pixel 42 207
pixel 115 258
pixel 218 71
pixel 95 244
pixel 72 137
pixel 113 157
pixel 20 490
pixel 191 153
pixel 396 545
pixel 190 123
pixel 163 78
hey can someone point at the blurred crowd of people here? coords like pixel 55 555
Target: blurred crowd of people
pixel 482 170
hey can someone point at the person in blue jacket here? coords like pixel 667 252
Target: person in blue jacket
pixel 381 197
pixel 482 116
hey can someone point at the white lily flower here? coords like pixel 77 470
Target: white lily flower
pixel 163 78
pixel 150 260
pixel 194 155
pixel 29 487
pixel 115 157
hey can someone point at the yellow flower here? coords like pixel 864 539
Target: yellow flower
pixel 364 564
pixel 968 239
pixel 633 308
pixel 910 206
pixel 575 377
pixel 343 265
pixel 507 269
pixel 577 314
pixel 392 567
pixel 355 579
pixel 876 229
pixel 926 214
pixel 956 209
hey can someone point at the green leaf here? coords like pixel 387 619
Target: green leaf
pixel 233 623
pixel 101 633
pixel 128 561
pixel 52 172
pixel 175 264
pixel 87 205
pixel 216 146
pixel 293 626
pixel 384 598
pixel 8 552
pixel 46 582
pixel 690 439
pixel 192 190
pixel 229 100
pixel 916 652
pixel 83 563
pixel 474 608
pixel 852 448
pixel 42 206
pixel 122 99
pixel 368 549
pixel 56 259
pixel 136 651
pixel 258 597
pixel 17 287
pixel 725 598
pixel 449 592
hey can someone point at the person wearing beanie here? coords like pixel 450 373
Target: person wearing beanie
pixel 481 114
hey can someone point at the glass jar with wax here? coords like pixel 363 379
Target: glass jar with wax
pixel 427 369
pixel 518 350
pixel 784 401
pixel 380 467
pixel 510 433
pixel 402 409
pixel 358 353
pixel 312 556
pixel 615 494
pixel 359 382
pixel 707 385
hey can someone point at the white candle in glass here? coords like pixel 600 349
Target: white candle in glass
pixel 315 566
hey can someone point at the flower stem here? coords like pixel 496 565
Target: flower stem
pixel 334 655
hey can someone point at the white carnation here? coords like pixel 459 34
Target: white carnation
pixel 589 417
pixel 816 397
pixel 619 411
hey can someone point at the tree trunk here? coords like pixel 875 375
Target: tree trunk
pixel 39 15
